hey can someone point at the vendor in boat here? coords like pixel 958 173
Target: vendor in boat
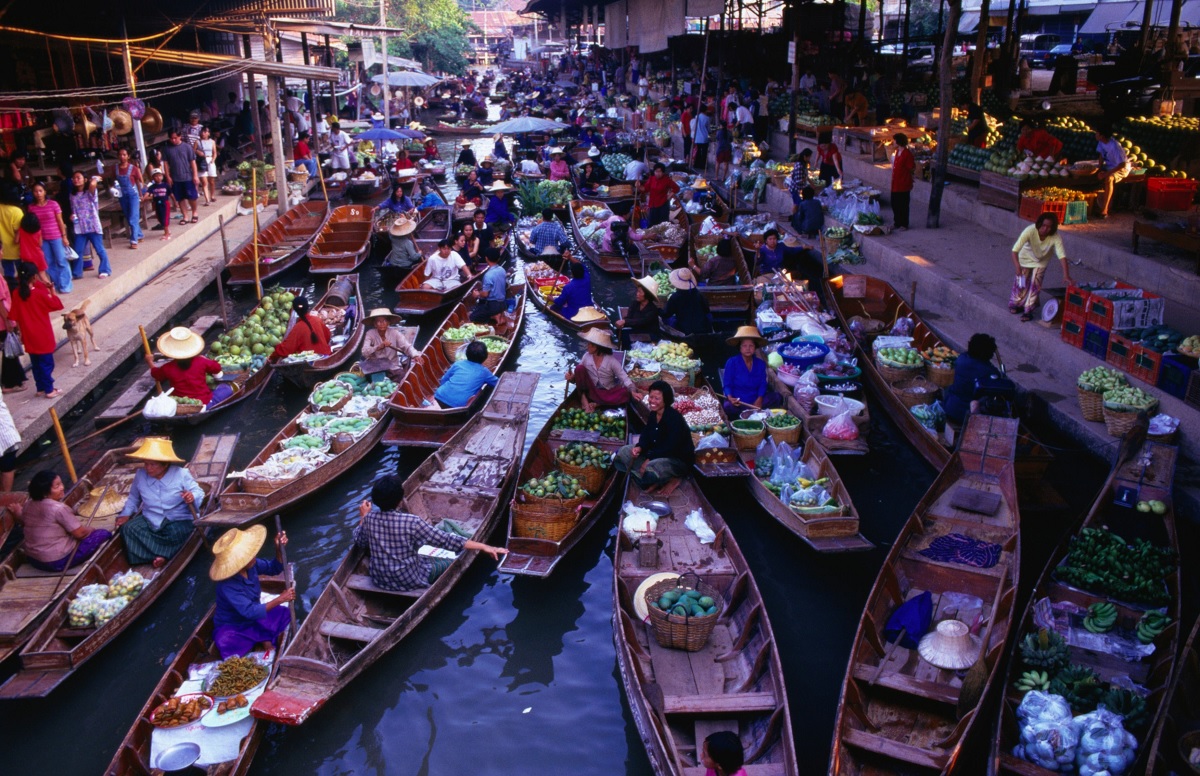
pixel 500 150
pixel 491 297
pixel 659 188
pixel 471 191
pixel 973 366
pixel 445 269
pixel 309 332
pixel 745 375
pixel 392 539
pixel 548 234
pixel 498 212
pixel 576 294
pixel 483 231
pixel 156 520
pixel 559 169
pixel 722 754
pixel 397 202
pixel 664 452
pixel 641 319
pixel 241 621
pixel 403 162
pixel 187 371
pixel 616 232
pixel 601 379
pixel 465 378
pixel 485 172
pixel 719 270
pixel 384 344
pixel 55 539
pixel 687 309
pixel 431 150
pixel 405 254
pixel 810 214
pixel 771 254
pixel 589 176
pixel 466 156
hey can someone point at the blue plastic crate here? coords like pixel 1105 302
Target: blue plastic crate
pixel 1095 341
pixel 1174 375
pixel 1076 213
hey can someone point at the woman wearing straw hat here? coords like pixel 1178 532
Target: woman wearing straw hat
pixel 187 371
pixel 241 621
pixel 156 520
pixel 641 319
pixel 486 170
pixel 383 345
pixel 664 452
pixel 309 332
pixel 687 309
pixel 466 156
pixel 600 377
pixel 745 375
pixel 497 207
pixel 559 169
pixel 404 255
pixel 55 540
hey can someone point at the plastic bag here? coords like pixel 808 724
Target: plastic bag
pixel 1105 747
pixel 806 395
pixel 842 427
pixel 713 440
pixel 1049 736
pixel 764 458
pixel 696 523
pixel 931 416
pixel 109 608
pixel 128 584
pixel 637 520
pixel 160 406
pixel 903 327
pixel 810 497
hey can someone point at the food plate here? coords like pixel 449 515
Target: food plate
pixel 639 597
pixel 214 673
pixel 213 720
pixel 181 699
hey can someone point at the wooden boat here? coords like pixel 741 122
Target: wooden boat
pixel 540 301
pixel 1143 471
pixel 470 479
pixel 243 502
pixel 1180 715
pixel 634 264
pixel 281 244
pixel 56 650
pixel 897 712
pixel 536 556
pixel 733 299
pixel 715 207
pixel 343 242
pixel 615 190
pixel 133 757
pixel 415 300
pixel 306 374
pixel 668 253
pixel 441 129
pixel 863 295
pixel 432 228
pixel 8 517
pixel 735 682
pixel 417 419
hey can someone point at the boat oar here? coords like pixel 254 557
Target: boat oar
pixel 63 574
pixel 146 348
pixel 887 656
pixel 62 442
pixel 287 570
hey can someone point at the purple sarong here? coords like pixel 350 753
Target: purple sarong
pixel 86 549
pixel 238 640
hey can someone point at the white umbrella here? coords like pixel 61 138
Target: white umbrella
pixel 407 78
pixel 524 124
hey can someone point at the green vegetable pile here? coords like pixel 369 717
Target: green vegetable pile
pixel 262 330
pixel 614 165
pixel 1157 338
pixel 329 393
pixel 869 219
pixel 747 426
pixel 307 441
pixel 1129 398
pixel 1100 379
pixel 612 427
pixel 583 454
pixel 901 357
pixel 470 331
pixel 1102 562
pixel 382 389
pixel 663 281
pixel 686 603
pixel 186 400
pixel 554 485
pixel 783 420
pixel 352 426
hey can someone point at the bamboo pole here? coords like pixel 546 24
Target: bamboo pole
pixel 146 348
pixel 62 442
pixel 321 177
pixel 220 286
pixel 254 240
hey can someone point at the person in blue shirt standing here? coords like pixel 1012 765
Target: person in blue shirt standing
pixel 577 293
pixel 969 368
pixel 492 294
pixel 241 622
pixel 700 131
pixel 464 379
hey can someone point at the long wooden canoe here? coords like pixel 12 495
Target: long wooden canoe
pixel 415 300
pixel 867 296
pixel 734 683
pixel 1181 714
pixel 1143 471
pixel 27 594
pixel 417 419
pixel 633 264
pixel 432 228
pixel 537 556
pixel 281 244
pixel 899 713
pixel 540 302
pixel 353 623
pixel 56 650
pixel 343 242
pixel 133 757
pixel 734 298
pixel 241 506
pixel 306 374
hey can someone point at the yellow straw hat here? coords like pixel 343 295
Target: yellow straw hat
pixel 234 551
pixel 180 343
pixel 599 338
pixel 464 142
pixel 682 278
pixel 402 226
pixel 587 315
pixel 746 332
pixel 650 286
pixel 382 312
pixel 156 450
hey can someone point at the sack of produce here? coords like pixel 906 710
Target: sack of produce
pixel 314 423
pixel 637 521
pixel 306 442
pixel 841 427
pixel 931 416
pixel 160 406
pixel 109 608
pixel 1048 734
pixel 128 584
pixel 81 612
pixel 330 396
pixel 1105 747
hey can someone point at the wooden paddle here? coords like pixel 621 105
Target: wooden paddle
pixel 287 570
pixel 975 680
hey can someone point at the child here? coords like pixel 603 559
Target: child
pixel 29 243
pixel 160 192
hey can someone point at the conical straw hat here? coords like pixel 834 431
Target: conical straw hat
pixel 234 550
pixel 157 450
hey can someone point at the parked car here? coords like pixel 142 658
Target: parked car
pixel 1036 48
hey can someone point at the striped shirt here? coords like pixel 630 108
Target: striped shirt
pixel 393 538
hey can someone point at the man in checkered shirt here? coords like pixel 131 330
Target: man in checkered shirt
pixel 548 234
pixel 392 538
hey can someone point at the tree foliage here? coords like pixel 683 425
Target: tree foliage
pixel 435 31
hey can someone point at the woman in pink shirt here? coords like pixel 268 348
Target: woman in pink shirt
pixel 49 214
pixel 723 755
pixel 559 169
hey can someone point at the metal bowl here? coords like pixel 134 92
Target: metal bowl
pixel 660 508
pixel 177 757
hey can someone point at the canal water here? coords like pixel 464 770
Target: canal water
pixel 507 675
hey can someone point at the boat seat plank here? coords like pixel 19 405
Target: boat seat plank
pixel 894 749
pixel 978 501
pixel 935 690
pixel 342 630
pixel 363 583
pixel 751 769
pixel 946 508
pixel 722 703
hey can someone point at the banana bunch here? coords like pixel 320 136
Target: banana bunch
pixel 1151 624
pixel 1033 680
pixel 1101 617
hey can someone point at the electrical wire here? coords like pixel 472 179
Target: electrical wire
pixel 114 89
pixel 74 39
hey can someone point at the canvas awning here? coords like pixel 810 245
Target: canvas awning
pixel 969 22
pixel 1107 17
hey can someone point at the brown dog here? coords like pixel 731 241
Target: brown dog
pixel 79 329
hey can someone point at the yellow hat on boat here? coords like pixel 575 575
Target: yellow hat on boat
pixel 234 550
pixel 156 450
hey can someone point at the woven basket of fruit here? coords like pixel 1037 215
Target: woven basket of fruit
pixel 683 612
pixel 588 464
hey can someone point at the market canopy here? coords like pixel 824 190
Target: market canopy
pixel 407 78
pixel 1107 17
pixel 969 22
pixel 524 124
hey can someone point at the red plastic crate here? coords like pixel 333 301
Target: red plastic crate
pixel 1076 301
pixel 1120 350
pixel 1095 340
pixel 1176 370
pixel 1109 314
pixel 1072 329
pixel 1145 364
pixel 1170 193
pixel 1031 208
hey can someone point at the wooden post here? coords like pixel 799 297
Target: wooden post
pixel 979 61
pixel 938 178
pixel 312 96
pixel 258 146
pixel 254 232
pixel 146 349
pixel 220 285
pixel 321 178
pixel 332 84
pixel 62 442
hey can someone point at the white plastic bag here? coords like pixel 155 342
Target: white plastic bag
pixel 1048 734
pixel 713 440
pixel 637 520
pixel 160 406
pixel 1105 747
pixel 696 523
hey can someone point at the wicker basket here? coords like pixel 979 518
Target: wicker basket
pixel 678 632
pixel 1118 422
pixel 188 409
pixel 330 408
pixel 620 191
pixel 914 391
pixel 1091 404
pixel 492 362
pixel 298 176
pixel 895 374
pixel 341 442
pixel 942 378
pixel 645 382
pixel 790 435
pixel 544 518
pixel 262 485
pixel 675 380
pixel 590 478
pixel 748 440
pixel 451 347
